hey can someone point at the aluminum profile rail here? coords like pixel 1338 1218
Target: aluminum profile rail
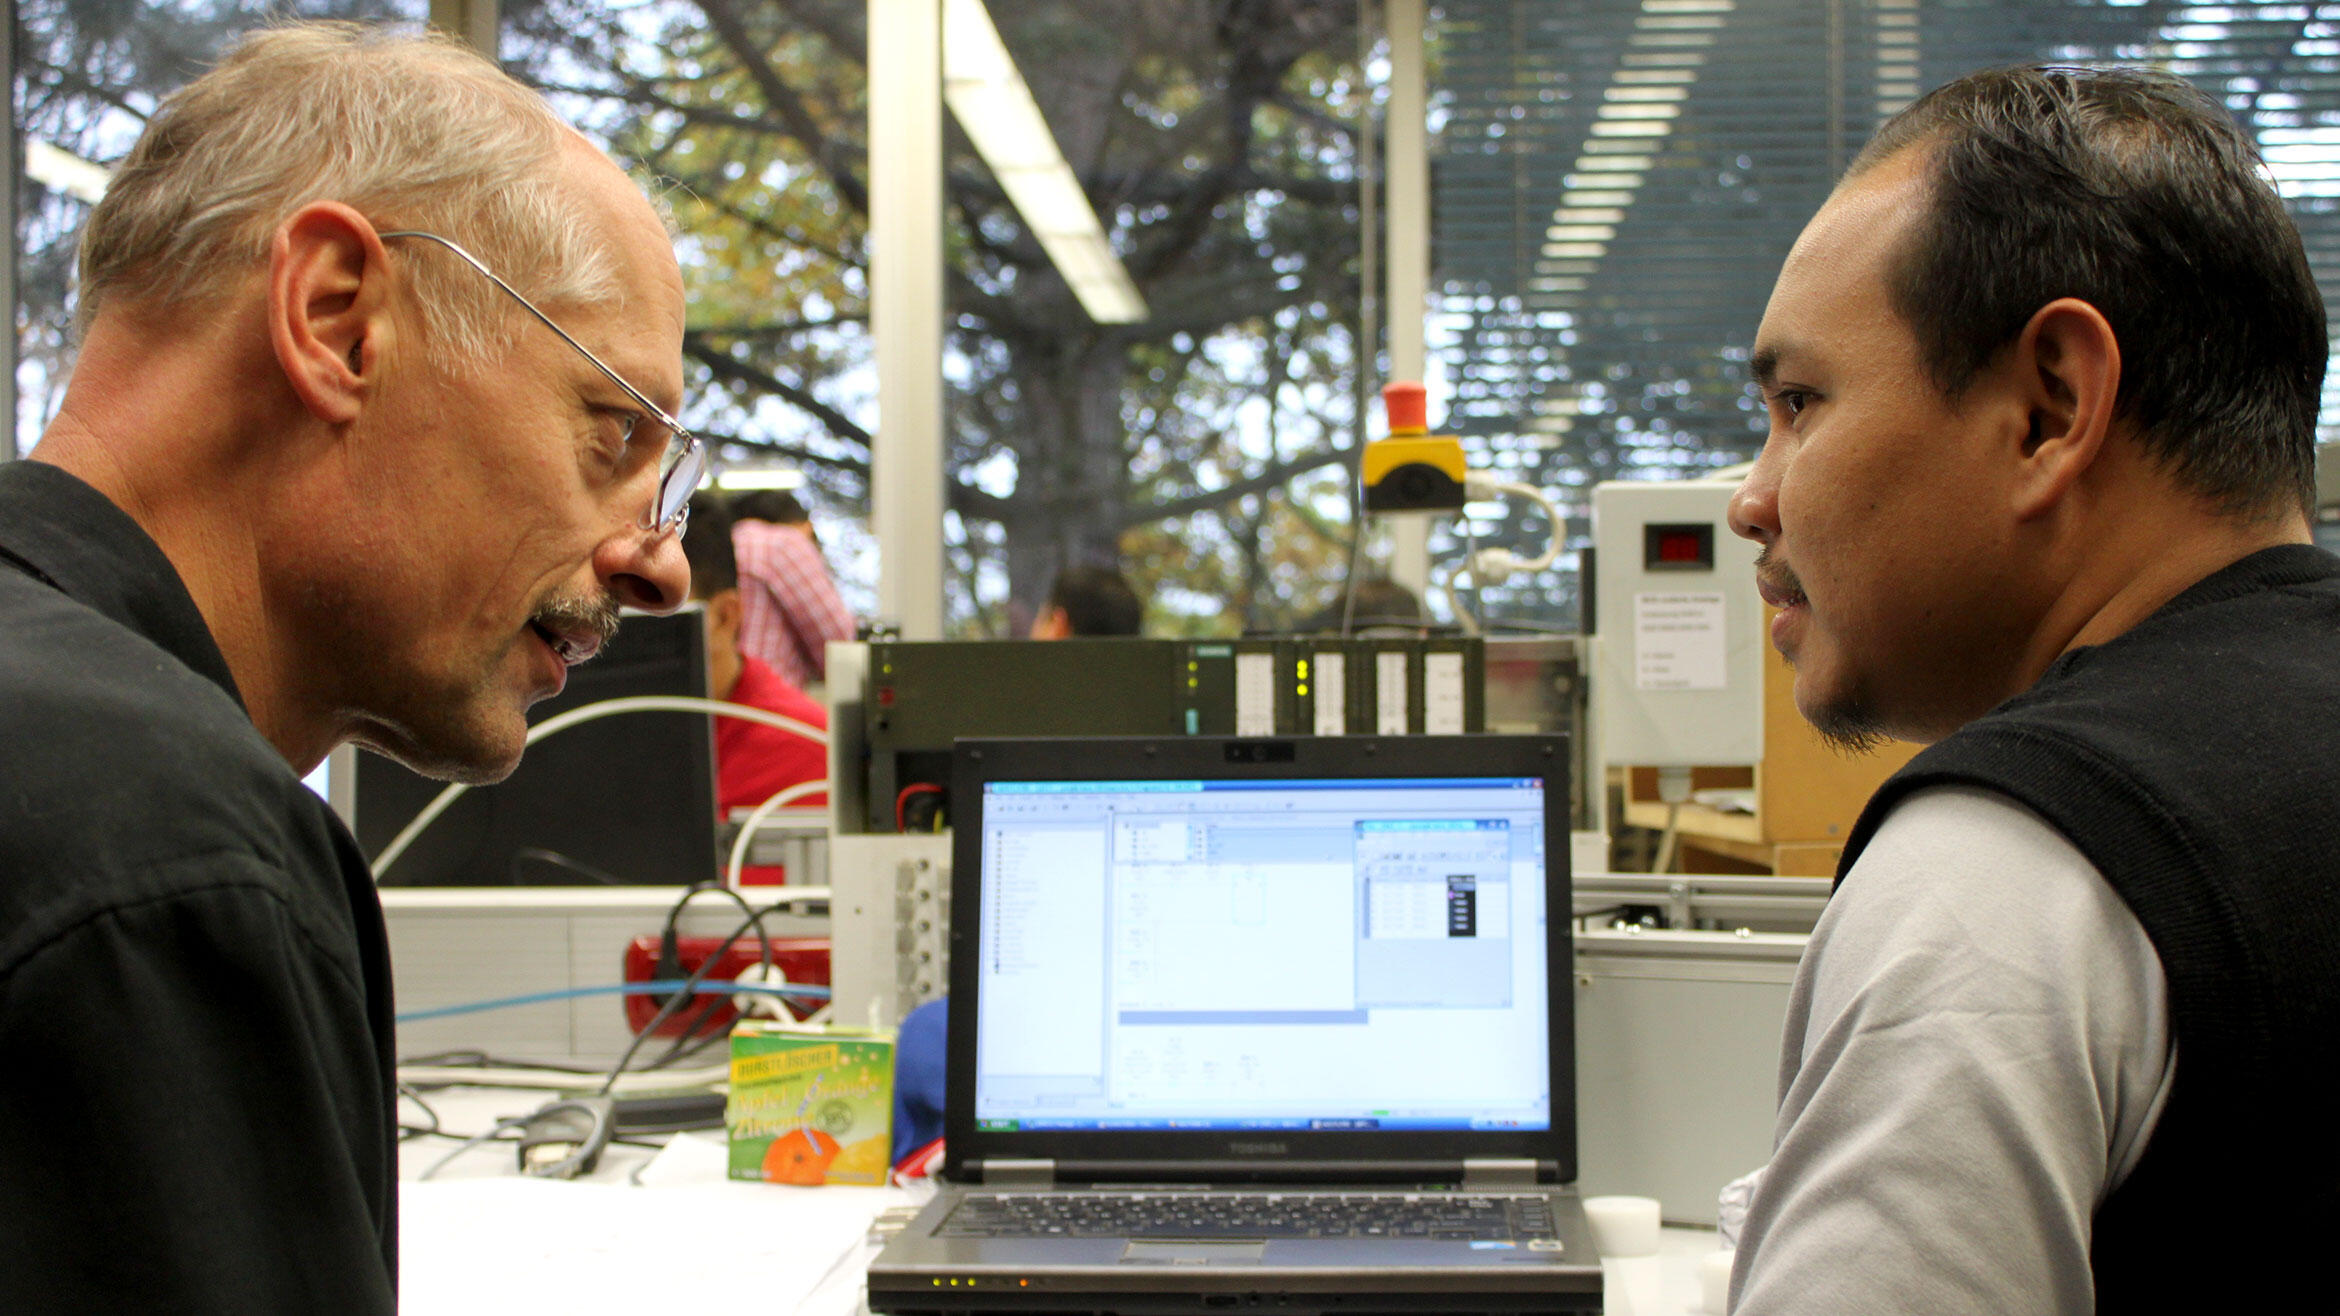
pixel 1696 901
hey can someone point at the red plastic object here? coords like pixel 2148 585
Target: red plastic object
pixel 1408 404
pixel 920 1164
pixel 803 959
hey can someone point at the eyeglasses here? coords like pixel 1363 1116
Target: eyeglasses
pixel 685 458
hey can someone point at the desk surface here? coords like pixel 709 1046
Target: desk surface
pixel 481 1238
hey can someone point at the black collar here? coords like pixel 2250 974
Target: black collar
pixel 67 535
pixel 2279 567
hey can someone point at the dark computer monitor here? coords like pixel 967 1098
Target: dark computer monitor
pixel 624 800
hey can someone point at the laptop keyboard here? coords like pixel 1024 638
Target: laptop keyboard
pixel 1434 1216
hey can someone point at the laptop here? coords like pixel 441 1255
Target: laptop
pixel 1256 1023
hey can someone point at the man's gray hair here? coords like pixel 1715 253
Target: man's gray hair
pixel 413 132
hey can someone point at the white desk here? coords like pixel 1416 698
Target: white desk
pixel 481 1238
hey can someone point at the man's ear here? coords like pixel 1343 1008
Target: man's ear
pixel 723 616
pixel 328 300
pixel 2068 366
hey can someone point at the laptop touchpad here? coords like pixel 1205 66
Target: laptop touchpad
pixel 1183 1252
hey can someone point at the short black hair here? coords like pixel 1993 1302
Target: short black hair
pixel 777 506
pixel 2134 191
pixel 706 543
pixel 1096 601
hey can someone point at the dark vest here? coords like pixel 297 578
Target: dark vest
pixel 2195 760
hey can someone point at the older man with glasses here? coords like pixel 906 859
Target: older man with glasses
pixel 371 435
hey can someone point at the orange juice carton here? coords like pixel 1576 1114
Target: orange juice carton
pixel 810 1105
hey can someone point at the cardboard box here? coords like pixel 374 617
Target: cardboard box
pixel 810 1105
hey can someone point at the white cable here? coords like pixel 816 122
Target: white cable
pixel 591 712
pixel 755 820
pixel 1454 599
pixel 1551 553
pixel 765 1004
pixel 1452 585
pixel 1496 565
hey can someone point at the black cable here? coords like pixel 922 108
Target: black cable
pixel 439 1133
pixel 502 1127
pixel 565 1138
pixel 696 889
pixel 676 1056
pixel 474 1059
pixel 690 1032
pixel 556 859
pixel 407 1092
pixel 675 1002
pixel 670 963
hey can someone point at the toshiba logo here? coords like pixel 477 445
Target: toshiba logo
pixel 1256 1148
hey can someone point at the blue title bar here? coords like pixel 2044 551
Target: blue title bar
pixel 1088 787
pixel 1294 784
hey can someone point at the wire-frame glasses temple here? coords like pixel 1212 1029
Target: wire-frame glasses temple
pixel 684 460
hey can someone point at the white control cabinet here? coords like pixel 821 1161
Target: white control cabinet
pixel 1678 651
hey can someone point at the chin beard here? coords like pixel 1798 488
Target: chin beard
pixel 1849 728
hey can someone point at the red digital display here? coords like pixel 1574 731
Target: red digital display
pixel 1683 546
pixel 1679 546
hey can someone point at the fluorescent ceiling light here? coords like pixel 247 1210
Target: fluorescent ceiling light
pixel 65 172
pixel 995 107
pixel 759 477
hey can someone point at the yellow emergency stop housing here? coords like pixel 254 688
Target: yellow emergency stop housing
pixel 1419 473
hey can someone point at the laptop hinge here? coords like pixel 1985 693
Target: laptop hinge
pixel 1486 1173
pixel 1001 1172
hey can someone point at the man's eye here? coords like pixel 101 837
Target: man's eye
pixel 1792 401
pixel 617 427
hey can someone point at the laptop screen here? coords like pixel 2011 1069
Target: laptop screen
pixel 1330 954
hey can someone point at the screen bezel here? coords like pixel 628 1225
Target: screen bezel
pixel 976 762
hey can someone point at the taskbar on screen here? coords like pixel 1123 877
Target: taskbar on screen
pixel 1343 1124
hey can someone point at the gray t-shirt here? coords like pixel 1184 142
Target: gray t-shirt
pixel 1977 1048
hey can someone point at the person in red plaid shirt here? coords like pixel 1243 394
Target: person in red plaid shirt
pixel 753 760
pixel 791 607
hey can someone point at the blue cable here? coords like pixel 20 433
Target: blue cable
pixel 661 987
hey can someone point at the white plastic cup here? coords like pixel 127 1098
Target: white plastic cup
pixel 1623 1226
pixel 1633 1286
pixel 1714 1282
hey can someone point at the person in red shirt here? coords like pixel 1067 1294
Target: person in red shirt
pixel 789 606
pixel 753 760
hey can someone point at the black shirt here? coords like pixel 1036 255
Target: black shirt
pixel 2191 760
pixel 196 1076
